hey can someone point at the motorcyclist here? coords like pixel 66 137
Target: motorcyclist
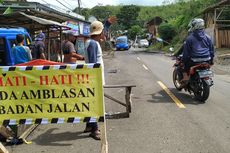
pixel 197 47
pixel 180 51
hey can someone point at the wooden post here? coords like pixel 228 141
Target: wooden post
pixel 128 99
pixel 216 30
pixel 48 43
pixel 61 43
pixel 104 142
pixel 3 149
pixel 217 37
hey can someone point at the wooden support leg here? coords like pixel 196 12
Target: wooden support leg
pixel 128 99
pixel 104 142
pixel 3 149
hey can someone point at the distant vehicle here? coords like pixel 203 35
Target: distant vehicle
pixel 143 43
pixel 8 40
pixel 122 43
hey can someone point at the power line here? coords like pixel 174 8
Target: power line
pixel 64 5
pixel 45 2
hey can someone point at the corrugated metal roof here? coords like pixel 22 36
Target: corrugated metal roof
pixel 22 19
pixel 41 20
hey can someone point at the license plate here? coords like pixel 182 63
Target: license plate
pixel 204 74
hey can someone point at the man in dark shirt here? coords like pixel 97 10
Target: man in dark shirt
pixel 39 47
pixel 70 54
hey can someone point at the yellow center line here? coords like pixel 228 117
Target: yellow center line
pixel 174 98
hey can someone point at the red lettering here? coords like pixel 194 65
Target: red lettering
pixel 54 80
pixel 8 81
pixel 70 79
pixel 1 84
pixel 24 80
pixel 44 79
pixel 16 80
pixel 62 79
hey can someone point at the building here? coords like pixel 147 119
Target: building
pixel 153 25
pixel 217 21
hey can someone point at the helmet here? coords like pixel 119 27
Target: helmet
pixel 196 24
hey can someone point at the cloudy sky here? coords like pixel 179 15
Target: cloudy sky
pixel 71 4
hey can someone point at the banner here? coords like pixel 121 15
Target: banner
pixel 51 94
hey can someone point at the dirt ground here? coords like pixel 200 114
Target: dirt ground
pixel 222 61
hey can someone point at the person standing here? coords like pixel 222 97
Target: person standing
pixel 21 53
pixel 70 54
pixel 39 46
pixel 93 54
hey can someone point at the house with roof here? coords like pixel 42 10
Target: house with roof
pixel 217 21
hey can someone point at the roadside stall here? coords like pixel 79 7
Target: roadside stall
pixel 33 24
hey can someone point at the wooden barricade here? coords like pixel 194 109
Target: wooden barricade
pixel 127 104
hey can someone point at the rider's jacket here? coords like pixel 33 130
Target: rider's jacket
pixel 198 47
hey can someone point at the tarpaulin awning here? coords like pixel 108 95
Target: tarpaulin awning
pixel 40 62
pixel 28 21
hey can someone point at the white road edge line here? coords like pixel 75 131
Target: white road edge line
pixel 145 67
pixel 138 58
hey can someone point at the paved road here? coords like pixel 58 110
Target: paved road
pixel 156 124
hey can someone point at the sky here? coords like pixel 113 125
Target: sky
pixel 71 4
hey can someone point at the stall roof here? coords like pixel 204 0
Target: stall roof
pixel 222 3
pixel 40 10
pixel 27 21
pixel 41 20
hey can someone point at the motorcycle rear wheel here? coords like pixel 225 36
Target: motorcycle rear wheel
pixel 203 91
pixel 176 80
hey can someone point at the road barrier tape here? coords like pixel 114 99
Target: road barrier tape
pixel 53 120
pixel 71 93
pixel 49 67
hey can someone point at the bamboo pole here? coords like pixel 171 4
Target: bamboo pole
pixel 61 43
pixel 48 43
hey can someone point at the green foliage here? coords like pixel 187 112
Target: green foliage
pixel 166 31
pixel 85 12
pixel 157 46
pixel 103 12
pixel 134 31
pixel 133 18
pixel 128 15
pixel 116 29
pixel 100 12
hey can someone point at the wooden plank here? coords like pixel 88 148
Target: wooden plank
pixel 117 115
pixel 118 86
pixel 217 38
pixel 3 149
pixel 228 36
pixel 27 132
pixel 5 132
pixel 104 141
pixel 128 99
pixel 115 100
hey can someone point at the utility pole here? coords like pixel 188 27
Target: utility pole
pixel 79 6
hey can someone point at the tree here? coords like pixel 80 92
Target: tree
pixel 85 12
pixel 128 15
pixel 101 12
pixel 167 31
pixel 134 31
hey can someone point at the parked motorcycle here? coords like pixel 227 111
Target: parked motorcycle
pixel 199 82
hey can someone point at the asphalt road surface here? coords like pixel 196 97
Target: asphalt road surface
pixel 157 124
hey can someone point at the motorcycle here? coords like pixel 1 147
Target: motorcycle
pixel 200 79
